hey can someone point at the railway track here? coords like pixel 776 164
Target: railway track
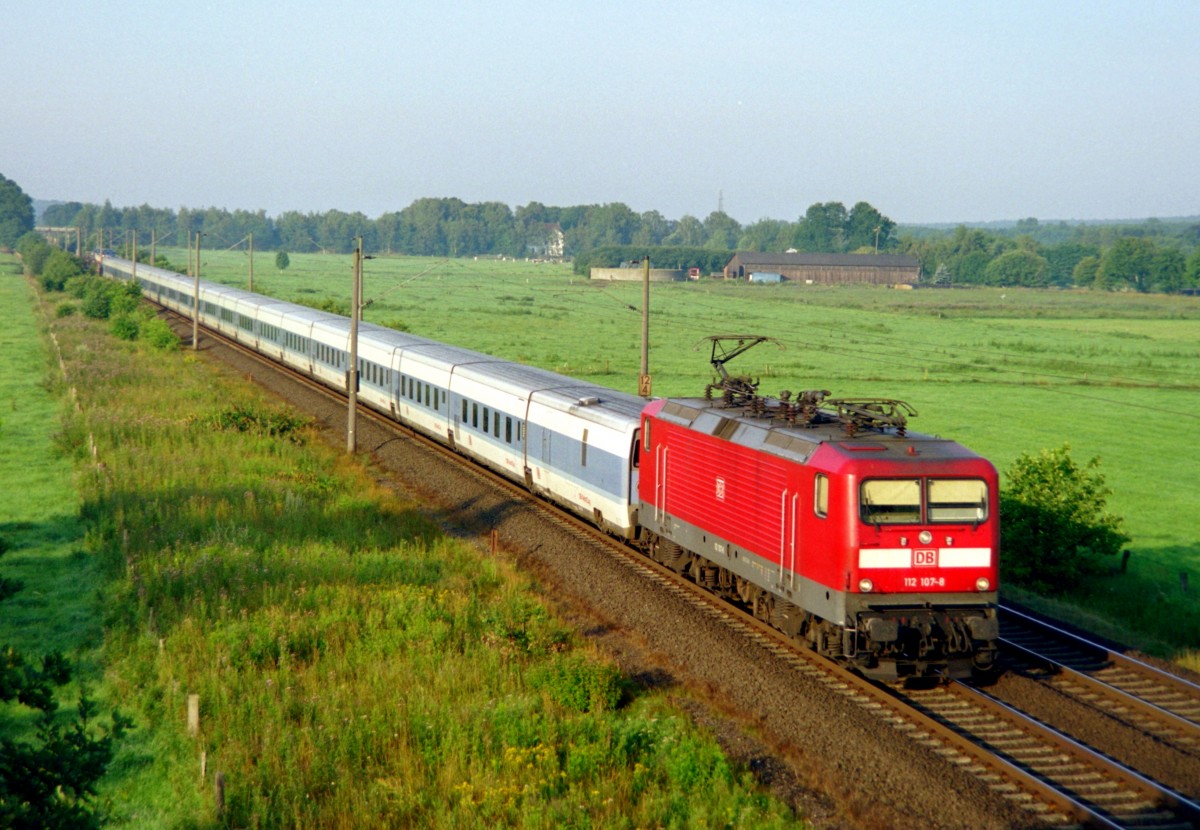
pixel 1122 687
pixel 1056 781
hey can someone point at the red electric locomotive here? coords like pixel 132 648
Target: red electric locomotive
pixel 830 521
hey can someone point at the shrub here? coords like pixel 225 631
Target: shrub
pixel 66 310
pixel 159 335
pixel 249 419
pixel 58 269
pixel 124 298
pixel 331 305
pixel 282 260
pixel 577 683
pixel 34 252
pixel 124 327
pixel 1053 522
pixel 96 302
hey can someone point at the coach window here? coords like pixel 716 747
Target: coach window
pixel 475 415
pixel 496 424
pixel 821 496
pixel 962 500
pixel 890 501
pixel 507 430
pixel 485 420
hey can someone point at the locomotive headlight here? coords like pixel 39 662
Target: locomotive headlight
pixel 866 586
pixel 983 584
pixel 926 537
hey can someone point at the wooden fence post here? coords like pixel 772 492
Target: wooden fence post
pixel 193 716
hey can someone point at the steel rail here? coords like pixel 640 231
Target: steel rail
pixel 1140 703
pixel 1183 807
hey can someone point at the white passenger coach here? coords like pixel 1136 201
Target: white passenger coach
pixel 573 442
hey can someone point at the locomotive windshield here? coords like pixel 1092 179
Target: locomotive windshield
pixel 938 500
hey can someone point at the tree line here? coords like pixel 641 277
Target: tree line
pixel 1147 256
pixel 1151 256
pixel 452 227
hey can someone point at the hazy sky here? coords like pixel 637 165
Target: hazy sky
pixel 930 111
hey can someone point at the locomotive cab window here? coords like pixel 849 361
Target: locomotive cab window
pixel 890 501
pixel 960 500
pixel 821 495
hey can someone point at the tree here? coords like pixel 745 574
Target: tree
pixel 687 233
pixel 1055 528
pixel 722 231
pixel 34 252
pixel 282 260
pixel 865 226
pixel 1168 270
pixel 823 229
pixel 1128 263
pixel 766 235
pixel 16 213
pixel 49 781
pixel 60 267
pixel 1062 258
pixel 1084 272
pixel 1191 276
pixel 1016 268
pixel 61 215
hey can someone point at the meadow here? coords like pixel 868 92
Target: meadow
pixel 355 667
pixel 1004 371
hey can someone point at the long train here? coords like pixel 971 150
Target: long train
pixel 876 546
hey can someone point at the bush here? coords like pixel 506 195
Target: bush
pixel 282 260
pixel 66 310
pixel 260 422
pixel 58 269
pixel 577 683
pixel 125 297
pixel 1054 527
pixel 157 334
pixel 124 327
pixel 34 252
pixel 96 301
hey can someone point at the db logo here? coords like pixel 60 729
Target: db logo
pixel 925 558
pixel 720 489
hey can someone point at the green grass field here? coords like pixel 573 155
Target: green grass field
pixel 39 504
pixel 355 667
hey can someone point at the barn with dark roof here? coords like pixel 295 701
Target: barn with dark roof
pixel 827 269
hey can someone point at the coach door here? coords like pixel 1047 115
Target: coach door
pixel 789 506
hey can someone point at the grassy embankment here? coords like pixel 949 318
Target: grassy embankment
pixel 39 512
pixel 1003 371
pixel 354 666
